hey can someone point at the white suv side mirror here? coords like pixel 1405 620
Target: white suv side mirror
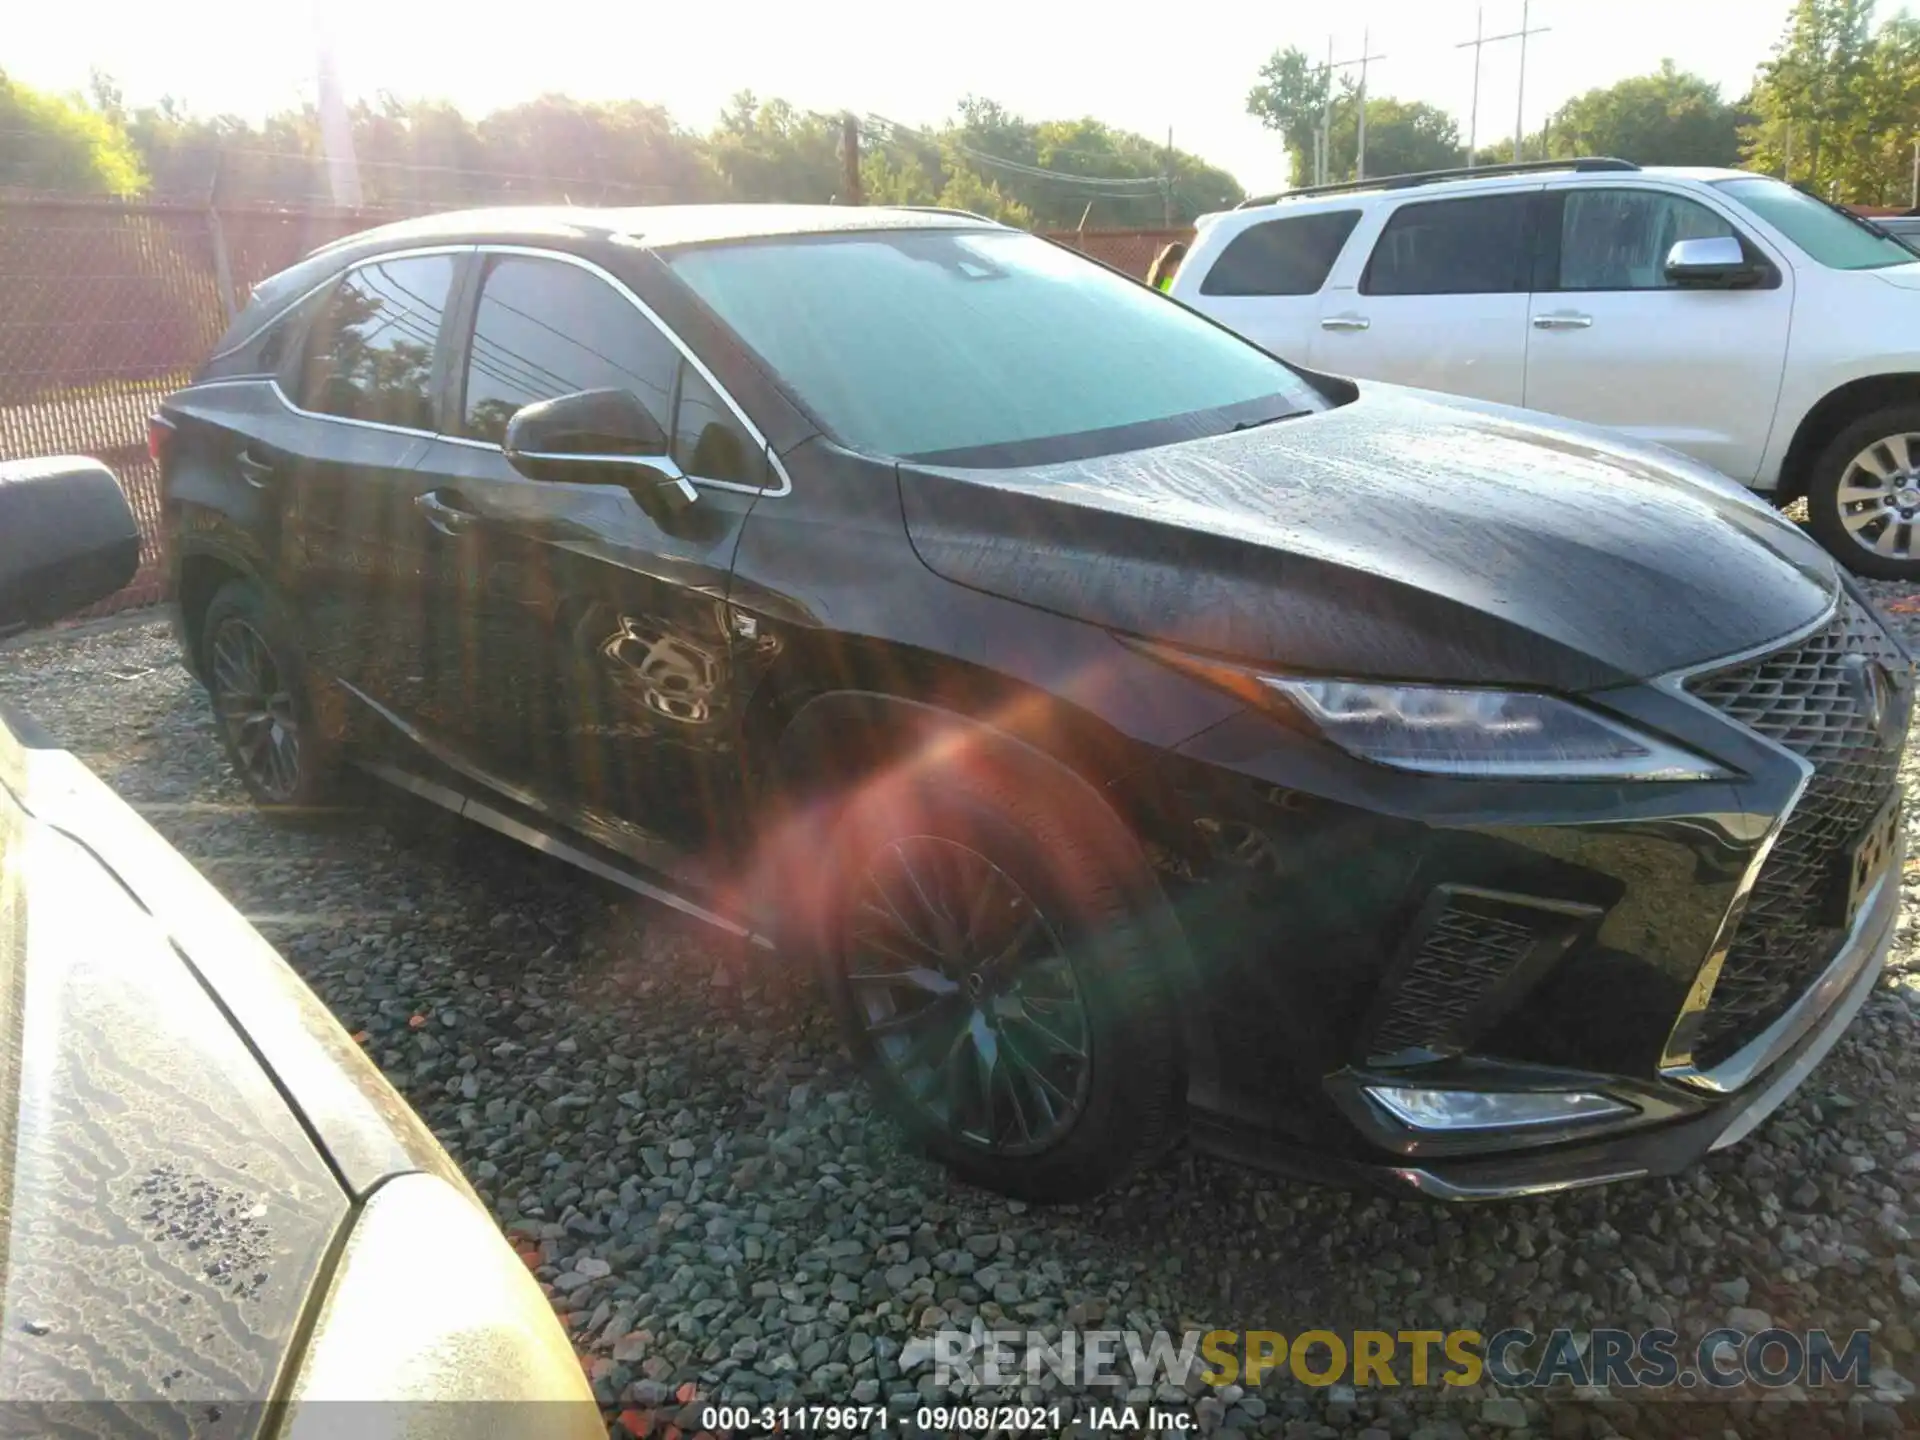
pixel 1716 260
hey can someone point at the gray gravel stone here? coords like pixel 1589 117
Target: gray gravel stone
pixel 714 1201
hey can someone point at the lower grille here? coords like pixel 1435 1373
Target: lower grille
pixel 1462 957
pixel 1807 698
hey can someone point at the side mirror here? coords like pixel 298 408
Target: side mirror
pixel 599 437
pixel 67 538
pixel 1712 262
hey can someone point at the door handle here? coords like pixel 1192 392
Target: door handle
pixel 255 471
pixel 442 514
pixel 1565 321
pixel 1344 322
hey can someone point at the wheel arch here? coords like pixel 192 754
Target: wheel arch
pixel 198 576
pixel 833 738
pixel 1831 414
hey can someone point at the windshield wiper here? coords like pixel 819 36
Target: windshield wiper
pixel 1239 425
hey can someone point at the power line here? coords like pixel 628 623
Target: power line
pixel 1148 185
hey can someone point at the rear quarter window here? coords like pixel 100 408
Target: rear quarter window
pixel 1288 256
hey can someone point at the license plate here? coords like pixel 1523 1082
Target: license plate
pixel 1869 859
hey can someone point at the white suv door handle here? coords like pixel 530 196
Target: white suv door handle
pixel 1344 322
pixel 1563 321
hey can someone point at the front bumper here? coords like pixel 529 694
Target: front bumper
pixel 1676 952
pixel 1782 1059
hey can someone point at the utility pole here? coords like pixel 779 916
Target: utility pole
pixel 850 158
pixel 1913 201
pixel 1322 141
pixel 1480 41
pixel 1473 111
pixel 336 128
pixel 1360 148
pixel 1520 103
pixel 1166 183
pixel 1326 112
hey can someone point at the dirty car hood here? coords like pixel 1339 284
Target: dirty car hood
pixel 167 1200
pixel 1402 535
pixel 165 1213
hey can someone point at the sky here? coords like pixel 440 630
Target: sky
pixel 1188 71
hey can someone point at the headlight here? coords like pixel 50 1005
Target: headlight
pixel 1495 733
pixel 429 1304
pixel 1453 730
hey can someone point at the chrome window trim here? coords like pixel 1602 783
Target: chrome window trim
pixel 785 486
pixel 334 279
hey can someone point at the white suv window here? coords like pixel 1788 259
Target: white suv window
pixel 1471 246
pixel 1618 238
pixel 1289 256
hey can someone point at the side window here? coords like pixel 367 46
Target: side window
pixel 283 346
pixel 1618 239
pixel 370 353
pixel 1281 257
pixel 708 441
pixel 1471 246
pixel 545 328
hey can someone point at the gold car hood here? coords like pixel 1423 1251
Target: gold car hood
pixel 163 1210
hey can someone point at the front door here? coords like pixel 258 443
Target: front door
pixel 594 672
pixel 1611 341
pixel 1440 301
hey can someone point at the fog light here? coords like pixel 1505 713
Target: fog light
pixel 1455 1110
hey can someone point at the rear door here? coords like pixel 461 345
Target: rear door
pixel 362 384
pixel 1439 300
pixel 1265 283
pixel 1613 342
pixel 593 667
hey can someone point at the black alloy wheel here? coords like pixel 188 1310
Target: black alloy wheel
pixel 256 677
pixel 993 949
pixel 256 710
pixel 968 997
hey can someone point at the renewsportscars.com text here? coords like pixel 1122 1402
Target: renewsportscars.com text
pixel 1512 1359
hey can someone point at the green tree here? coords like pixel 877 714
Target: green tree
pixel 556 147
pixel 965 190
pixel 1670 117
pixel 49 142
pixel 1290 97
pixel 1869 160
pixel 1003 152
pixel 1403 136
pixel 1807 97
pixel 770 150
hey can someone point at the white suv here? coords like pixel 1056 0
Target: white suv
pixel 1723 314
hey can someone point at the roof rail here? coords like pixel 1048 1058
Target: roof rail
pixel 946 210
pixel 1430 177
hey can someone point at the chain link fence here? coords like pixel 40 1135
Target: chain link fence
pixel 1128 250
pixel 107 306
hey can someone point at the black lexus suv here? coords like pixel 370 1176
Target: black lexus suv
pixel 1143 736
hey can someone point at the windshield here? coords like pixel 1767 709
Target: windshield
pixel 958 344
pixel 1831 236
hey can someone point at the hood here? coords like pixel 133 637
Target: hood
pixel 163 1211
pixel 1904 277
pixel 1403 536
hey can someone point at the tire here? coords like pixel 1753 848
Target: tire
pixel 1000 861
pixel 1847 507
pixel 256 676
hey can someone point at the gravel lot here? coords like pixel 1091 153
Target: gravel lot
pixel 694 1171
